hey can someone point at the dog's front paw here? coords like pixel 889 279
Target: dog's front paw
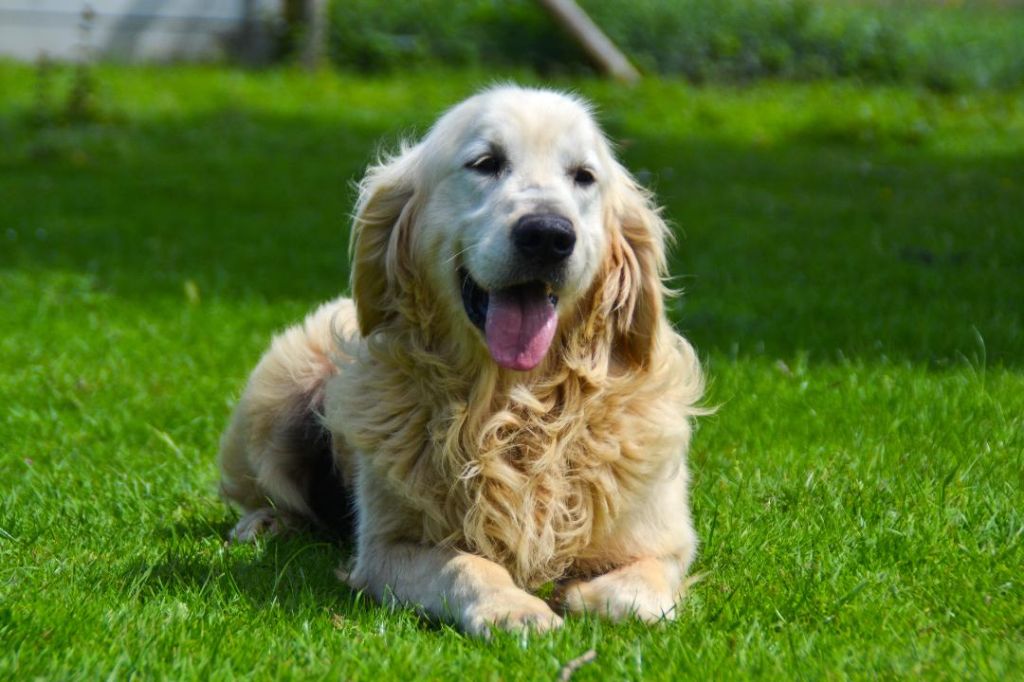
pixel 512 610
pixel 620 595
pixel 265 522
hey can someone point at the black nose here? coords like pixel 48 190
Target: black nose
pixel 545 238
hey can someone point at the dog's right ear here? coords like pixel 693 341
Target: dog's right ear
pixel 380 234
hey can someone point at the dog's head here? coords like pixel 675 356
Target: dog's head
pixel 511 218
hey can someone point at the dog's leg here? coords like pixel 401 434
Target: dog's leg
pixel 277 462
pixel 471 591
pixel 262 522
pixel 652 548
pixel 647 589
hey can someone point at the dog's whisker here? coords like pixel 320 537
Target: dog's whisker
pixel 457 255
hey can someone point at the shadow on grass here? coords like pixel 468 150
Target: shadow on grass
pixel 292 573
pixel 295 573
pixel 837 248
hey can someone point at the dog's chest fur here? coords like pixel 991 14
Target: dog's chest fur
pixel 529 476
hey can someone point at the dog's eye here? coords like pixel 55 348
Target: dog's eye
pixel 488 164
pixel 583 177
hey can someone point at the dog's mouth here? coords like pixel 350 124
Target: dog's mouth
pixel 518 322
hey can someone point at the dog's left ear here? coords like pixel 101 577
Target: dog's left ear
pixel 380 234
pixel 633 289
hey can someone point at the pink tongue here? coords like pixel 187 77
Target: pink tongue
pixel 520 326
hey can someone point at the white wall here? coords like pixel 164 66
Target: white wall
pixel 134 30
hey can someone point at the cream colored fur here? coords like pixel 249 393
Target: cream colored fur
pixel 473 483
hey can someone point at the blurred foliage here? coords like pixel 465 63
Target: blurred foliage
pixel 945 46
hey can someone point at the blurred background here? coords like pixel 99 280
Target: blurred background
pixel 942 44
pixel 843 161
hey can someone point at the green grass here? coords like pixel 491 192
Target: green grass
pixel 853 260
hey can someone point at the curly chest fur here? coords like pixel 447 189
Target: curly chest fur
pixel 529 477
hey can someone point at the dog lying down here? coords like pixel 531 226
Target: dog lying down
pixel 502 402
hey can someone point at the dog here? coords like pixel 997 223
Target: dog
pixel 502 403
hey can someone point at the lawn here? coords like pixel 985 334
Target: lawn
pixel 853 265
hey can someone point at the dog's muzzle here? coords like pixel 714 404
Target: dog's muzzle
pixel 519 319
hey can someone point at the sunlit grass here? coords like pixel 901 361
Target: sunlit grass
pixel 853 260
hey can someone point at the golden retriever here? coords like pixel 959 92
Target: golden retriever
pixel 502 402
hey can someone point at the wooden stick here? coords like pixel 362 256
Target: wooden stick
pixel 570 668
pixel 594 42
